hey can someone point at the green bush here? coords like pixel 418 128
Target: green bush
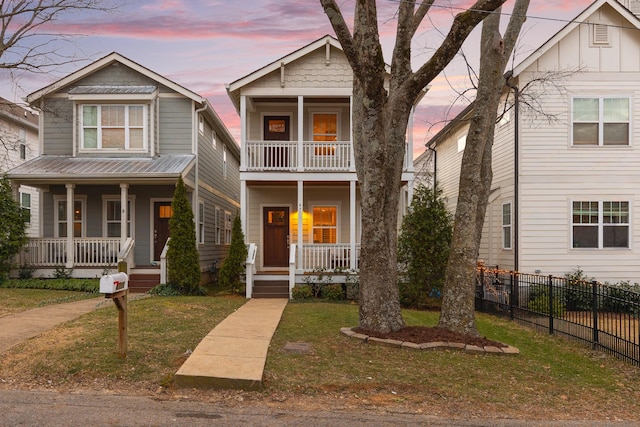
pixel 61 272
pixel 13 219
pixel 333 292
pixel 623 297
pixel 423 247
pixel 234 265
pixel 577 292
pixel 302 292
pixel 79 285
pixel 539 301
pixel 182 256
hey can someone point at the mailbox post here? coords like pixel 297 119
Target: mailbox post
pixel 116 287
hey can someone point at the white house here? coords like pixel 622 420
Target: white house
pixel 299 194
pixel 566 184
pixel 19 143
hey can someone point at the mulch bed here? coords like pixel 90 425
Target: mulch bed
pixel 424 334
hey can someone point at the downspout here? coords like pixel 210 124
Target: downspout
pixel 516 95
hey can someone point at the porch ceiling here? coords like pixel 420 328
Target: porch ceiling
pixel 64 169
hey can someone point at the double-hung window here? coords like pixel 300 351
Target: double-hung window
pixel 113 127
pixel 506 226
pixel 325 224
pixel 113 216
pixel 60 217
pixel 600 121
pixel 600 224
pixel 25 204
pixel 325 130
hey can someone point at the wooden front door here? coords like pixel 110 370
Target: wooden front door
pixel 276 128
pixel 162 212
pixel 276 236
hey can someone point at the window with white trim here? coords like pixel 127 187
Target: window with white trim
pixel 506 225
pixel 25 204
pixel 201 222
pixel 600 121
pixel 218 220
pixel 201 124
pixel 60 217
pixel 325 224
pixel 600 224
pixel 23 144
pixel 224 161
pixel 325 129
pixel 228 225
pixel 214 139
pixel 113 127
pixel 112 208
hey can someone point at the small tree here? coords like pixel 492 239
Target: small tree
pixel 234 265
pixel 13 231
pixel 423 246
pixel 182 256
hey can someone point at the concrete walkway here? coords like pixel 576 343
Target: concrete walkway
pixel 26 324
pixel 233 354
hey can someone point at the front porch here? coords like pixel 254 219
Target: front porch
pixel 306 263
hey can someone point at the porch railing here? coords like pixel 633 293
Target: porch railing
pixel 328 256
pixel 330 156
pixel 87 252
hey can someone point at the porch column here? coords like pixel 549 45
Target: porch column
pixel 354 226
pixel 70 221
pixel 243 207
pixel 300 219
pixel 352 158
pixel 124 213
pixel 243 133
pixel 300 158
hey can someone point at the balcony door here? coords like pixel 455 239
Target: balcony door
pixel 276 128
pixel 276 236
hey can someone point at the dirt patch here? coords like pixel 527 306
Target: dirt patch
pixel 425 334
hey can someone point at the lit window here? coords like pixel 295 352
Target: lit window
pixel 600 121
pixel 325 225
pixel 113 127
pixel 61 218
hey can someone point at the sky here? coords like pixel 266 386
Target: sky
pixel 205 44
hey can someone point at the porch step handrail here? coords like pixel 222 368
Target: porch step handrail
pixel 250 268
pixel 126 254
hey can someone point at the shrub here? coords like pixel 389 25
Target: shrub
pixel 423 246
pixel 26 271
pixel 539 301
pixel 577 292
pixel 623 297
pixel 12 218
pixel 182 255
pixel 79 285
pixel 61 272
pixel 302 292
pixel 234 265
pixel 333 292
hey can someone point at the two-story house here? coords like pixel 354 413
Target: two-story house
pixel 115 138
pixel 19 143
pixel 566 182
pixel 298 184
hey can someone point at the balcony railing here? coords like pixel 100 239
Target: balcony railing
pixel 87 252
pixel 315 156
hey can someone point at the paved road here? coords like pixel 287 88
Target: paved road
pixel 25 408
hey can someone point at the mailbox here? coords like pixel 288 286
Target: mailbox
pixel 112 283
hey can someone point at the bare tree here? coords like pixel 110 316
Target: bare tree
pixel 28 34
pixel 476 174
pixel 380 118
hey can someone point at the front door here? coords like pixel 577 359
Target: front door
pixel 162 212
pixel 276 236
pixel 276 128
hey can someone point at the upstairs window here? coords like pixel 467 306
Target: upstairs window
pixel 506 226
pixel 600 121
pixel 113 127
pixel 23 144
pixel 325 129
pixel 600 224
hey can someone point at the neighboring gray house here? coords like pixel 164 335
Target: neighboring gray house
pixel 115 137
pixel 19 143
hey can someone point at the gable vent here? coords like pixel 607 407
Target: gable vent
pixel 600 34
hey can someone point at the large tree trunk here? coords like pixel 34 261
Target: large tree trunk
pixel 458 297
pixel 380 117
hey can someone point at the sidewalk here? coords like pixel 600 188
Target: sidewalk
pixel 26 324
pixel 233 354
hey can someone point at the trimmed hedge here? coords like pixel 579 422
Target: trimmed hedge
pixel 80 285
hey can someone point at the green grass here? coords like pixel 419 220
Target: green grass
pixel 16 300
pixel 551 378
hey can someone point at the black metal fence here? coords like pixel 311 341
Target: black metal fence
pixel 603 316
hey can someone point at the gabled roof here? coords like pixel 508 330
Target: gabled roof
pixel 578 20
pixel 104 62
pixel 14 112
pixel 287 59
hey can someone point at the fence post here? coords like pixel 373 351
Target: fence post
pixel 550 304
pixel 513 293
pixel 594 294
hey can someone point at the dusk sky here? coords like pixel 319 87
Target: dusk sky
pixel 205 44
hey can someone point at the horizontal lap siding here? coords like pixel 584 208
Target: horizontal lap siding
pixel 175 126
